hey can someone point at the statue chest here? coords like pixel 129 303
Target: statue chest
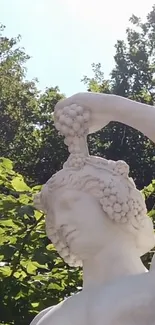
pixel 129 302
pixel 124 303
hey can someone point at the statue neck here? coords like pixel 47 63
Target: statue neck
pixel 110 264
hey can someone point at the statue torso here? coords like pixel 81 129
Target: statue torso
pixel 128 301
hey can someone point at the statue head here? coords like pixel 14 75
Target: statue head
pixel 90 196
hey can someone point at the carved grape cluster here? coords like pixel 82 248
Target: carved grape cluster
pixel 72 121
pixel 116 167
pixel 76 160
pixel 119 207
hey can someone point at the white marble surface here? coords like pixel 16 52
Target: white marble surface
pixel 97 218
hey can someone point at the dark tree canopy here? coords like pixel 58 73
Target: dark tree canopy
pixel 132 77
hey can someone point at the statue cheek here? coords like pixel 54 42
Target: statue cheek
pixel 64 205
pixel 62 213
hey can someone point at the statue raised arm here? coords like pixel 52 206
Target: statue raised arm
pixel 105 108
pixel 97 219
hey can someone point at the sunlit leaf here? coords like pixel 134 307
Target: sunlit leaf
pixel 19 184
pixel 7 163
pixel 31 267
pixel 5 271
pixel 34 304
pixel 54 286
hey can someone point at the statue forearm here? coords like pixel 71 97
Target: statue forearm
pixel 137 115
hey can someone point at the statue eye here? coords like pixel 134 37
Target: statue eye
pixel 68 199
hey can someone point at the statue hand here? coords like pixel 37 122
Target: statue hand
pixel 97 105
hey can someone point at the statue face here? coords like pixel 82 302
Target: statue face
pixel 80 219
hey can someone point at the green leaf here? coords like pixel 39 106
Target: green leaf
pixel 40 266
pixel 7 163
pixel 17 275
pixel 24 199
pixel 54 286
pixel 34 304
pixel 38 214
pixel 5 271
pixel 26 209
pixel 8 223
pixel 20 275
pixel 31 268
pixel 152 214
pixel 19 295
pixel 50 247
pixel 19 184
pixel 8 203
pixel 36 189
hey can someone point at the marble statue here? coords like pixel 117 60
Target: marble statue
pixel 97 219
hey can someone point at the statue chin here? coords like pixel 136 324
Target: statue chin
pixel 97 219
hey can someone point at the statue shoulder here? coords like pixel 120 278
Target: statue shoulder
pixel 47 314
pixel 41 314
pixel 62 314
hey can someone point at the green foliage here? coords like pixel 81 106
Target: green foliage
pixel 51 146
pixel 18 103
pixel 27 132
pixel 132 77
pixel 97 84
pixel 32 275
pixel 149 193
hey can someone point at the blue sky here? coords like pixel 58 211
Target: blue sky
pixel 64 37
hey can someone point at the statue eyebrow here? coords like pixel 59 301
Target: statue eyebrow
pixel 71 195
